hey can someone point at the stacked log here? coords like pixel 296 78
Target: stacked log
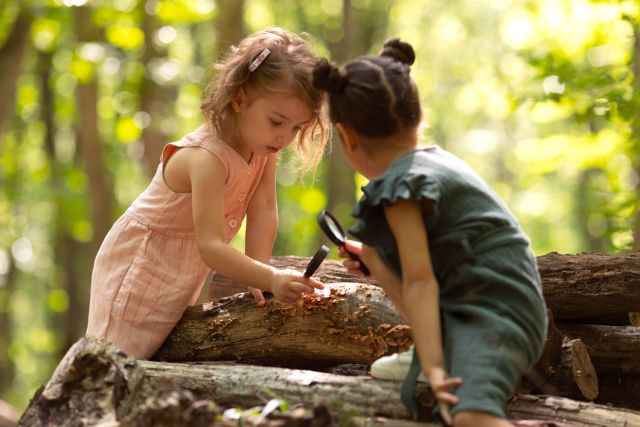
pixel 583 359
pixel 589 373
pixel 595 298
pixel 96 384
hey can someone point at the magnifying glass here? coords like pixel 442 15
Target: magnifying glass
pixel 316 261
pixel 331 227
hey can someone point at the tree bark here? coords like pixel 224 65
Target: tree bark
pixel 348 323
pixel 588 286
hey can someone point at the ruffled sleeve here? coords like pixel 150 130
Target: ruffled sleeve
pixel 371 226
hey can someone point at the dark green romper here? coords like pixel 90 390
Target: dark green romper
pixel 492 310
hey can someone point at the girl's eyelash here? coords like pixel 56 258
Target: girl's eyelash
pixel 275 123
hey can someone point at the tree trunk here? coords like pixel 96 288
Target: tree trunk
pixel 89 141
pixel 152 101
pixel 65 247
pixel 589 286
pixel 99 190
pixel 11 55
pixel 230 24
pixel 348 323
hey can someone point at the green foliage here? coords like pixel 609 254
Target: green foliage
pixel 538 97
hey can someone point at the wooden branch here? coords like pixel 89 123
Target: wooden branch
pixel 613 349
pixel 348 323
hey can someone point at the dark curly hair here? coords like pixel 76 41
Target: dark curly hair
pixel 373 95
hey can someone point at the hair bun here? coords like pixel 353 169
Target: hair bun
pixel 399 50
pixel 328 77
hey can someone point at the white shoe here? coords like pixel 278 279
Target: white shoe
pixel 394 367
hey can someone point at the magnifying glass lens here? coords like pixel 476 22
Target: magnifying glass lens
pixel 335 229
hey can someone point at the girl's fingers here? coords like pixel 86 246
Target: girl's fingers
pixel 444 413
pixel 353 244
pixel 258 296
pixel 449 398
pixel 447 384
pixel 315 283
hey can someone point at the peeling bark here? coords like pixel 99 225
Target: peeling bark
pixel 348 323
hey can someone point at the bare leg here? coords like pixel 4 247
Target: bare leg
pixel 479 419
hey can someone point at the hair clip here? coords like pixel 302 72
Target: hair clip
pixel 256 62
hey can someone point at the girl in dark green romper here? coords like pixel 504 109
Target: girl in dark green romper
pixel 439 240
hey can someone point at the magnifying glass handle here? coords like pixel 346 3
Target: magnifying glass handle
pixel 363 267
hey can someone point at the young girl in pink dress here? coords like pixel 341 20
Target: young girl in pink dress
pixel 154 261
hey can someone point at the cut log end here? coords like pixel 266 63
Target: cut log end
pixel 584 374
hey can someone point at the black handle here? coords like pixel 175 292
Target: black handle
pixel 316 261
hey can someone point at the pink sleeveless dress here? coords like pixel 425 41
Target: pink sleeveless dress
pixel 149 268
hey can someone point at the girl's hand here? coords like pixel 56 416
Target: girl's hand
pixel 290 285
pixel 441 385
pixel 257 294
pixel 367 254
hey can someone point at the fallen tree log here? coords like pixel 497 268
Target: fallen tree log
pixel 97 384
pixel 585 288
pixel 348 323
pixel 613 349
pixel 569 412
pixel 590 286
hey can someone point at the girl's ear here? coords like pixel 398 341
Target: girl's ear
pixel 348 137
pixel 239 101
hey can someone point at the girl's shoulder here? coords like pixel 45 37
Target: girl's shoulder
pixel 205 136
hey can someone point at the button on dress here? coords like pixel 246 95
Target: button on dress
pixel 149 268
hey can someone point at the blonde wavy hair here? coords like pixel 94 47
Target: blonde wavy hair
pixel 287 69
